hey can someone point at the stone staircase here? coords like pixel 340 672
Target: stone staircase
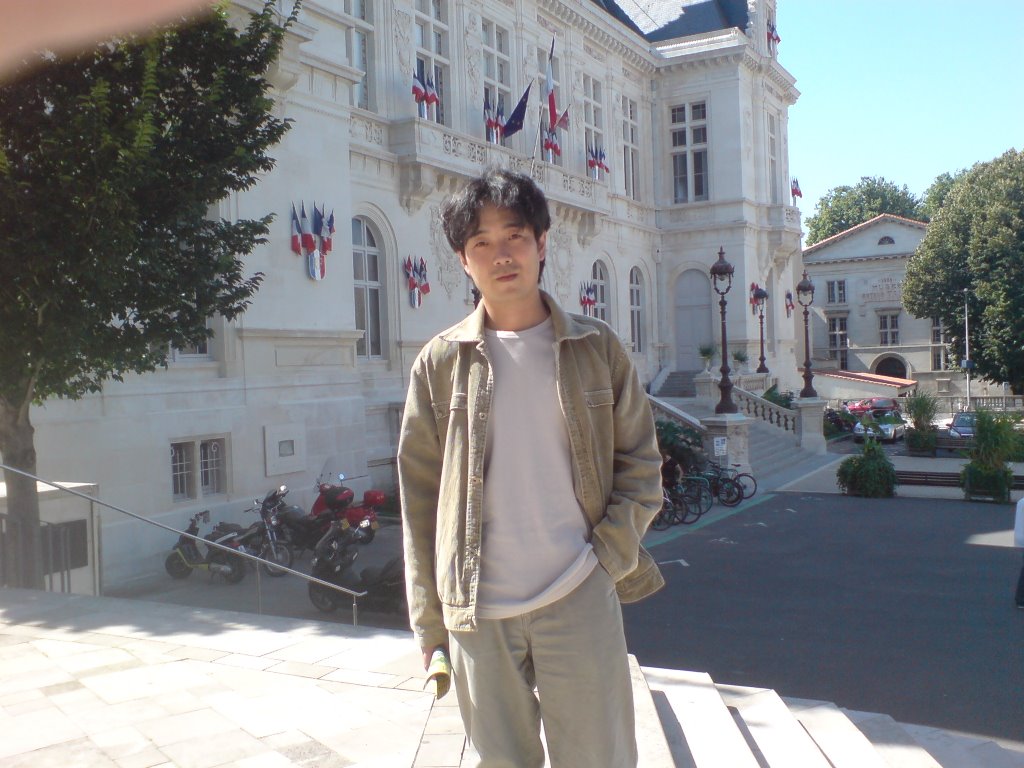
pixel 686 720
pixel 679 384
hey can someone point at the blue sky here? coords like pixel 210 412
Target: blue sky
pixel 903 89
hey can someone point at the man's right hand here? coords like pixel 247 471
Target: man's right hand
pixel 428 652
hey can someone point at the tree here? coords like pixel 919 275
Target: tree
pixel 974 248
pixel 845 207
pixel 108 259
pixel 935 195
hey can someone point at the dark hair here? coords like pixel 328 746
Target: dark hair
pixel 460 212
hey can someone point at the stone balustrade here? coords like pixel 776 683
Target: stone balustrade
pixel 758 408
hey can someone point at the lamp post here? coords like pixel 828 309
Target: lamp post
pixel 805 295
pixel 760 296
pixel 721 279
pixel 967 351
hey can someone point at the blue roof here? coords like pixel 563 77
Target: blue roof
pixel 667 19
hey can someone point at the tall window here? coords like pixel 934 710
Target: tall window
pixel 599 276
pixel 361 47
pixel 631 147
pixel 432 53
pixel 835 291
pixel 773 159
pixel 888 330
pixel 194 352
pixel 593 114
pixel 497 68
pixel 689 142
pixel 837 341
pixel 192 479
pixel 366 277
pixel 636 310
pixel 561 98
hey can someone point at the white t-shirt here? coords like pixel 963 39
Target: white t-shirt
pixel 1018 528
pixel 535 536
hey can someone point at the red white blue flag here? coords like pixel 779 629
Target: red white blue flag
pixel 296 241
pixel 306 231
pixel 419 90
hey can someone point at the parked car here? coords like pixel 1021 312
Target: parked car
pixel 962 424
pixel 871 404
pixel 884 425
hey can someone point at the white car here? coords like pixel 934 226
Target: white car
pixel 887 425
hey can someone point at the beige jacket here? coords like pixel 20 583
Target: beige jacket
pixel 616 464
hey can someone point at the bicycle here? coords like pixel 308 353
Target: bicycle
pixel 724 488
pixel 747 482
pixel 697 491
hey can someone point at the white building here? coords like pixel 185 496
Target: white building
pixel 690 105
pixel 858 320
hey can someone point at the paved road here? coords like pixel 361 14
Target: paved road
pixel 899 606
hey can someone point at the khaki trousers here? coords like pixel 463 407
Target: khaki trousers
pixel 574 652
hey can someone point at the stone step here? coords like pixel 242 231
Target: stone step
pixel 836 736
pixel 958 751
pixel 777 734
pixel 896 746
pixel 652 743
pixel 706 735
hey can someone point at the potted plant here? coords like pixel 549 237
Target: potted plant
pixel 706 351
pixel 987 473
pixel 870 474
pixel 740 357
pixel 922 408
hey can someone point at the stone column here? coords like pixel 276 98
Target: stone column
pixel 707 386
pixel 810 435
pixel 734 427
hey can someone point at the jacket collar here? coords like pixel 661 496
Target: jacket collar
pixel 566 325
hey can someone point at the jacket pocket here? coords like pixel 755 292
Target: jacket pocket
pixel 443 411
pixel 598 397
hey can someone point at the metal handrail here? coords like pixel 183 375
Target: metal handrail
pixel 255 558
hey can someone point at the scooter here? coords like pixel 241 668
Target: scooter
pixel 186 556
pixel 334 502
pixel 333 561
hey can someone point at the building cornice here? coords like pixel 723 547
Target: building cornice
pixel 634 51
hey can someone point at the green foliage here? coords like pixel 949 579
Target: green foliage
pixel 995 441
pixel 684 444
pixel 976 242
pixel 922 408
pixel 706 351
pixel 116 156
pixel 921 441
pixel 870 474
pixel 936 194
pixel 844 207
pixel 740 356
pixel 772 395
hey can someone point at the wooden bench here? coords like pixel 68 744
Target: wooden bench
pixel 954 443
pixel 941 479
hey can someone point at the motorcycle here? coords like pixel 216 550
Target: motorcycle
pixel 264 537
pixel 186 556
pixel 837 420
pixel 334 557
pixel 334 502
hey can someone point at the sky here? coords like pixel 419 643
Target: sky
pixel 902 89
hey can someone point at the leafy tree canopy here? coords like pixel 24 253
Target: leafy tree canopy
pixel 112 160
pixel 844 207
pixel 975 243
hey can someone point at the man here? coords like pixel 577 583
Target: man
pixel 529 470
pixel 1018 541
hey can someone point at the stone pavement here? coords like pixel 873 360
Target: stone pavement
pixel 88 681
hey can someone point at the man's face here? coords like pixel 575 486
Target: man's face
pixel 503 257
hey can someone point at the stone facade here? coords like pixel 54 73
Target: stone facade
pixel 294 383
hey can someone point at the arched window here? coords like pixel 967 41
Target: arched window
pixel 599 276
pixel 886 241
pixel 366 269
pixel 636 309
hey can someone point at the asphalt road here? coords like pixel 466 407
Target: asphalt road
pixel 899 606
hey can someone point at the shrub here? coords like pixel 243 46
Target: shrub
pixel 987 473
pixel 740 356
pixel 706 351
pixel 921 441
pixel 684 444
pixel 922 407
pixel 870 474
pixel 772 395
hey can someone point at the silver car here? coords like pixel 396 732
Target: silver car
pixel 884 425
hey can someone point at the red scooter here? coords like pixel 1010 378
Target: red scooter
pixel 334 502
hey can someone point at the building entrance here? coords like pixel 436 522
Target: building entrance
pixel 892 366
pixel 692 319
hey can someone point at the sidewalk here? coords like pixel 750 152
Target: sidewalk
pixel 88 681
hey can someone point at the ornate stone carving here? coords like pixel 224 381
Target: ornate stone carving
pixel 474 53
pixel 403 42
pixel 559 260
pixel 449 269
pixel 366 130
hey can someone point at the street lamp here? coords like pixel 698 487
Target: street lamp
pixel 805 295
pixel 967 351
pixel 760 296
pixel 721 278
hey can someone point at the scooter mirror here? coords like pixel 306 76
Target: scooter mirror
pixel 341 477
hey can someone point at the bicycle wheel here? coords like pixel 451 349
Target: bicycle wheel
pixel 698 496
pixel 663 519
pixel 730 492
pixel 747 483
pixel 688 513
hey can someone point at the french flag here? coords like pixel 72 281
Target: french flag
pixel 296 242
pixel 419 91
pixel 432 97
pixel 421 278
pixel 306 232
pixel 327 234
pixel 549 86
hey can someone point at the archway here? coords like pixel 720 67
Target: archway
pixel 692 318
pixel 891 366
